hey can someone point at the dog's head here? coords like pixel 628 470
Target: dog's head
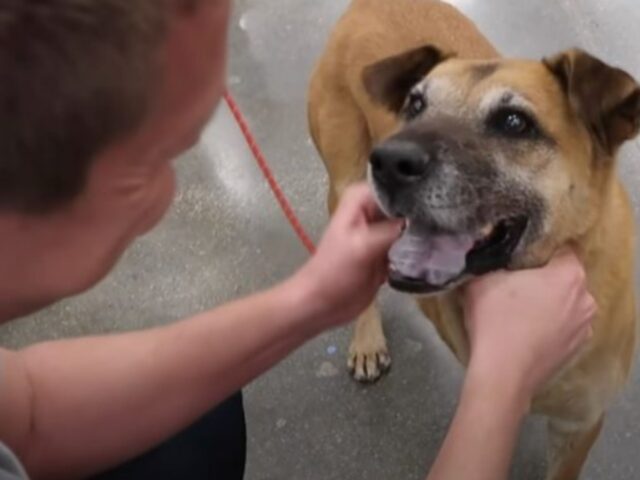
pixel 495 164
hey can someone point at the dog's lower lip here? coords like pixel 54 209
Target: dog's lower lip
pixel 411 285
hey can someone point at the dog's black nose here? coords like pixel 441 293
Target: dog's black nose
pixel 398 162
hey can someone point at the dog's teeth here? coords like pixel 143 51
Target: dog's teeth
pixel 486 230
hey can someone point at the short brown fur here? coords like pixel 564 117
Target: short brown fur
pixel 346 122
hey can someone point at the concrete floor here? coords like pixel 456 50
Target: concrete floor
pixel 226 237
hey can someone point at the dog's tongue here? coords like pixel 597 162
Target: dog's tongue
pixel 435 259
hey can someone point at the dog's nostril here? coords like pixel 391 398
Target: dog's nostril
pixel 398 162
pixel 411 167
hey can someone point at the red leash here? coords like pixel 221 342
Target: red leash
pixel 268 174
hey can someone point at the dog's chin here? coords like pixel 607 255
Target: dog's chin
pixel 424 263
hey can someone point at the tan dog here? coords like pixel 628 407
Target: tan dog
pixel 495 164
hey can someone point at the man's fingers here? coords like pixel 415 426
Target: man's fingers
pixel 485 282
pixel 358 201
pixel 583 336
pixel 565 256
pixel 373 211
pixel 381 236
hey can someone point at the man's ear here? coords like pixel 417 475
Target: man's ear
pixel 389 81
pixel 606 98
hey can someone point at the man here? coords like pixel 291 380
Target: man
pixel 97 98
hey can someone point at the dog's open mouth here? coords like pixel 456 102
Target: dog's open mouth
pixel 424 263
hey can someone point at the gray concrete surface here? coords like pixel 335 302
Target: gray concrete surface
pixel 226 237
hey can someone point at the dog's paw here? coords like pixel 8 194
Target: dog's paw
pixel 368 365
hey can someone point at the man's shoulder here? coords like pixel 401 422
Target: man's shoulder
pixel 10 468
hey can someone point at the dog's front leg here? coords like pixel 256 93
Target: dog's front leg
pixel 368 354
pixel 569 448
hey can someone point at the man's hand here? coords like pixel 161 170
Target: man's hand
pixel 351 262
pixel 524 326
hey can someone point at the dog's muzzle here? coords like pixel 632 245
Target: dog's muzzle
pixel 431 256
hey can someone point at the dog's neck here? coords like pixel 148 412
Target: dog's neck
pixel 607 248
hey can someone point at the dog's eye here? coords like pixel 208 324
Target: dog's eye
pixel 416 104
pixel 513 123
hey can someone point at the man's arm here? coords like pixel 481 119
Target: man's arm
pixel 74 407
pixel 523 327
pixel 484 431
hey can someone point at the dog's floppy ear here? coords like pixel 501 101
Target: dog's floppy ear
pixel 389 81
pixel 606 98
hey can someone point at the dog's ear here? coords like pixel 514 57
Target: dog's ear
pixel 389 81
pixel 606 98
